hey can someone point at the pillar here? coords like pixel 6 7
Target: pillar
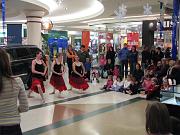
pixel 34 20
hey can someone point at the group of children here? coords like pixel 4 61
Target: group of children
pixel 144 82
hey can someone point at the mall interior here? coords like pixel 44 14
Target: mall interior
pixel 118 74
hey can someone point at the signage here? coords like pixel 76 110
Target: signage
pixel 14 33
pixel 133 39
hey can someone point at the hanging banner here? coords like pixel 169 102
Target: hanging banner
pixel 101 35
pixel 86 39
pixel 109 36
pixel 174 29
pixel 3 6
pixel 133 39
pixel 14 33
pixel 161 18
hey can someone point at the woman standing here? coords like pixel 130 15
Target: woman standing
pixel 58 69
pixel 111 55
pixel 11 90
pixel 77 77
pixel 133 59
pixel 38 75
pixel 70 58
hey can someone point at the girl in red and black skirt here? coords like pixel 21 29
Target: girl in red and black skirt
pixel 58 69
pixel 39 69
pixel 76 79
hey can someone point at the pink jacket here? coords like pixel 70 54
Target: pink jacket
pixel 109 83
pixel 102 61
pixel 116 71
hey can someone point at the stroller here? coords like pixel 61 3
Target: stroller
pixel 95 75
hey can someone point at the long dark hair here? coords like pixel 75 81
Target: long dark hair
pixel 157 119
pixel 5 67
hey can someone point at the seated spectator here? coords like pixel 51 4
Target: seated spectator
pixel 109 67
pixel 95 75
pixel 165 86
pixel 138 73
pixel 133 87
pixel 147 83
pixel 108 84
pixel 117 84
pixel 157 119
pixel 116 71
pixel 175 125
pixel 154 90
pixel 163 71
pixel 175 72
pixel 127 84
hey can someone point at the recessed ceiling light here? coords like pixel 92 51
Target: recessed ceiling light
pixel 66 8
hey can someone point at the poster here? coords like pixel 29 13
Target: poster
pixel 14 33
pixel 133 39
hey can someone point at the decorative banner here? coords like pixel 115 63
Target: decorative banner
pixel 86 39
pixel 109 36
pixel 14 33
pixel 3 4
pixel 101 35
pixel 133 39
pixel 121 11
pixel 161 18
pixel 174 30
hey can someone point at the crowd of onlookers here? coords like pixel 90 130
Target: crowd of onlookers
pixel 127 73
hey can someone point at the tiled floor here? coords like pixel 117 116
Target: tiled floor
pixel 92 113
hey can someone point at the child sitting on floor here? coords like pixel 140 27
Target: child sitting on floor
pixel 95 75
pixel 117 84
pixel 116 71
pixel 127 84
pixel 133 87
pixel 154 90
pixel 108 84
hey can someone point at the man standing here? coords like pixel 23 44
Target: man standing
pixel 83 54
pixel 123 57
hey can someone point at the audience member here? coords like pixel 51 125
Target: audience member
pixel 157 119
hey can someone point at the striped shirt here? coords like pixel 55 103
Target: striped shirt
pixel 10 109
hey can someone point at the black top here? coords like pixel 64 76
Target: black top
pixel 158 57
pixel 57 68
pixel 39 68
pixel 70 60
pixel 146 56
pixel 138 74
pixel 79 70
pixel 175 74
pixel 110 55
pixel 82 56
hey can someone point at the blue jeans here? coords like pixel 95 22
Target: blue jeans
pixel 132 67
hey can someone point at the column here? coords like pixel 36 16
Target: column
pixel 34 19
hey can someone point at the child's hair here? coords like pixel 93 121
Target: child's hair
pixel 88 59
pixel 119 78
pixel 109 61
pixel 129 76
pixel 154 80
pixel 110 77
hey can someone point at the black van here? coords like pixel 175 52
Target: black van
pixel 21 57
